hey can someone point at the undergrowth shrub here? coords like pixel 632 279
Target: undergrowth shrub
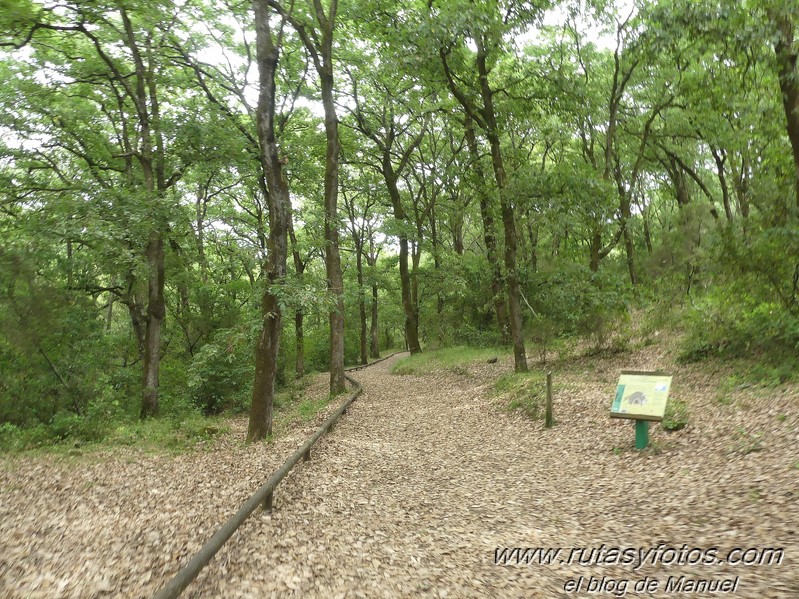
pixel 220 373
pixel 676 415
pixel 569 299
pixel 733 325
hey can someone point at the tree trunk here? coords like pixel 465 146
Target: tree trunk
pixel 374 348
pixel 299 316
pixel 721 157
pixel 595 249
pixel 266 351
pixel 437 267
pixel 361 305
pixel 789 86
pixel 629 247
pixel 156 311
pixel 416 256
pixel 371 260
pixel 532 234
pixel 411 325
pixel 489 236
pixel 508 221
pixel 335 279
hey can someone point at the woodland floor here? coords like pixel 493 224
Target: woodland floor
pixel 415 489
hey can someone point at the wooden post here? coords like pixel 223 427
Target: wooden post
pixel 641 434
pixel 549 421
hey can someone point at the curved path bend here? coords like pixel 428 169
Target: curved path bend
pixel 425 478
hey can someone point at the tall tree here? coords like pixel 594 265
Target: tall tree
pixel 487 26
pixel 268 49
pixel 316 32
pixel 128 83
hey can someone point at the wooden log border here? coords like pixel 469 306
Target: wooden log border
pixel 263 496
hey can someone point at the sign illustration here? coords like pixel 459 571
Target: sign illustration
pixel 641 395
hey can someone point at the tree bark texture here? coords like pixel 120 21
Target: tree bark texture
pixel 278 202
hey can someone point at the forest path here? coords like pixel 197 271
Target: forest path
pixel 414 490
pixel 425 478
pixel 409 497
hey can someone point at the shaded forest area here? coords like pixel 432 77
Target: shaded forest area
pixel 200 202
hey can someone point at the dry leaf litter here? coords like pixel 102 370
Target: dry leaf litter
pixel 415 489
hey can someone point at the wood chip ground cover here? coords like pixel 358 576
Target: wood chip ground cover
pixel 416 488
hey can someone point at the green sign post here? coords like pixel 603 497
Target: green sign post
pixel 641 396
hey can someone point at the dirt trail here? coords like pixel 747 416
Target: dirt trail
pixel 419 485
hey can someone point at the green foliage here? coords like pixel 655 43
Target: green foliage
pixel 220 373
pixel 676 416
pixel 572 300
pixel 452 359
pixel 730 324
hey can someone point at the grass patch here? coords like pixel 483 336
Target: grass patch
pixel 676 415
pixel 524 392
pixel 175 433
pixel 293 405
pixel 451 359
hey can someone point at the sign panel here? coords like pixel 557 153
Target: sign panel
pixel 641 395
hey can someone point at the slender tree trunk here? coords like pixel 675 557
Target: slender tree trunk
pixel 109 314
pixel 437 267
pixel 361 304
pixel 374 348
pixel 508 220
pixel 629 247
pixel 266 351
pixel 299 316
pixel 371 260
pixel 201 207
pixel 335 279
pixel 156 311
pixel 416 256
pixel 532 233
pixel 151 161
pixel 411 325
pixel 647 233
pixel 595 249
pixel 489 236
pixel 720 157
pixel 787 59
pixel 457 234
pixel 136 313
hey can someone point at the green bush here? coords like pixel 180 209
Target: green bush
pixel 724 324
pixel 220 373
pixel 676 416
pixel 572 300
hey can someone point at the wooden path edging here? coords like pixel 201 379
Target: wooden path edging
pixel 263 496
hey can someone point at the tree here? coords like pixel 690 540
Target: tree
pixel 268 48
pixel 486 29
pixel 128 88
